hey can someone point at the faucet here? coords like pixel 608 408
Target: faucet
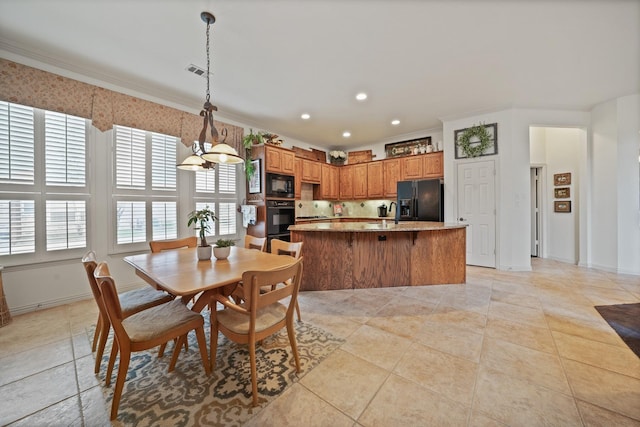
pixel 396 213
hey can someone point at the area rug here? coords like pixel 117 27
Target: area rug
pixel 625 320
pixel 188 397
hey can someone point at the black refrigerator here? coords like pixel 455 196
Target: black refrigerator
pixel 420 200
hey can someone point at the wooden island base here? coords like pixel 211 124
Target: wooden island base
pixel 354 256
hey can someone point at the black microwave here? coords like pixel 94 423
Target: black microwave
pixel 279 186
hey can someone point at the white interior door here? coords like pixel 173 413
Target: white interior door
pixel 477 208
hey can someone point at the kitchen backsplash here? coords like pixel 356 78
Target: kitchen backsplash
pixel 358 208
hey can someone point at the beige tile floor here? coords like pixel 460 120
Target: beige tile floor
pixel 506 349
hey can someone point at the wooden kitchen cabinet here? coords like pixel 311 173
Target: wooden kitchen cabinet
pixel 311 171
pixel 279 160
pixel 346 182
pixel 411 167
pixel 329 183
pixel 297 178
pixel 360 181
pixel 433 165
pixel 375 177
pixel 391 175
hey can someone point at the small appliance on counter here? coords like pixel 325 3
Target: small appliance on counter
pixel 382 210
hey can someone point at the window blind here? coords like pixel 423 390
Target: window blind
pixel 163 161
pixel 16 144
pixel 65 149
pixel 165 220
pixel 130 158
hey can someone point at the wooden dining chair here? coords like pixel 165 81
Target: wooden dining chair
pixel 252 242
pixel 163 245
pixel 260 316
pixel 131 302
pixel 145 330
pixel 294 249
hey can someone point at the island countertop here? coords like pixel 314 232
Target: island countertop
pixel 349 227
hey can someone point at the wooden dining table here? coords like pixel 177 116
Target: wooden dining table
pixel 180 273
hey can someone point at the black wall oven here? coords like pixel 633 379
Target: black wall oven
pixel 280 215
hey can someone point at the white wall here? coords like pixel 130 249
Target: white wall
pixel 616 208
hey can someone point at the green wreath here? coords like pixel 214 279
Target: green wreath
pixel 475 150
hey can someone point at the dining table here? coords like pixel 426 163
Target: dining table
pixel 180 273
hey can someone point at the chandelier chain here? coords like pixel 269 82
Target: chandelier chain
pixel 208 94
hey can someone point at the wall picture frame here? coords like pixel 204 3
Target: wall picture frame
pixel 562 206
pixel 408 148
pixel 562 193
pixel 255 183
pixel 562 178
pixel 492 130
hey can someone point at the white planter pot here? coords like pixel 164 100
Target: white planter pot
pixel 204 253
pixel 221 253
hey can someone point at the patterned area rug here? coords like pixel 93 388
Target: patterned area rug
pixel 188 397
pixel 625 320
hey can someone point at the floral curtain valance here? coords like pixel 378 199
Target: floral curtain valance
pixel 40 89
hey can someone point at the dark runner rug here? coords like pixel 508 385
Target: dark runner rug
pixel 188 397
pixel 625 320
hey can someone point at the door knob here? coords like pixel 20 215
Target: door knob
pixel 461 219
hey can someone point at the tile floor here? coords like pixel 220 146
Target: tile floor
pixel 506 349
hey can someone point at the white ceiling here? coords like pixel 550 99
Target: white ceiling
pixel 419 61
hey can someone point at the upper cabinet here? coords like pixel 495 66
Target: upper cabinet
pixel 411 167
pixel 311 171
pixel 346 182
pixel 297 178
pixel 375 179
pixel 391 175
pixel 279 160
pixel 360 181
pixel 433 165
pixel 329 183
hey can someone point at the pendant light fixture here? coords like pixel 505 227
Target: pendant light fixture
pixel 219 151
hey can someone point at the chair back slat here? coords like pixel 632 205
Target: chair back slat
pixel 109 296
pixel 252 242
pixel 163 245
pixel 280 247
pixel 287 277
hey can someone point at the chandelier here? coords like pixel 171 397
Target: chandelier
pixel 219 152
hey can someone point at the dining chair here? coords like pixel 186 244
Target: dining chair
pixel 260 316
pixel 145 330
pixel 131 302
pixel 252 242
pixel 163 245
pixel 294 249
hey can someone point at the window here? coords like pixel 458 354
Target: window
pixel 145 188
pixel 43 185
pixel 217 189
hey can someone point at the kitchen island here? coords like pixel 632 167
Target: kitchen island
pixel 351 255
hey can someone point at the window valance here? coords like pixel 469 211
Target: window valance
pixel 40 89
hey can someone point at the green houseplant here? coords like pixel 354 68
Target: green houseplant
pixel 248 141
pixel 222 248
pixel 201 218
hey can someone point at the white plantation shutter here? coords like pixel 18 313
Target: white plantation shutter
pixel 17 227
pixel 65 149
pixel 226 179
pixel 206 181
pixel 16 144
pixel 226 218
pixel 130 158
pixel 66 224
pixel 131 222
pixel 165 220
pixel 163 161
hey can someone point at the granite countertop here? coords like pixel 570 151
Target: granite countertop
pixel 346 227
pixel 328 218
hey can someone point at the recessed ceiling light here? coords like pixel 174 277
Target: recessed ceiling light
pixel 346 134
pixel 361 96
pixel 395 122
pixel 305 116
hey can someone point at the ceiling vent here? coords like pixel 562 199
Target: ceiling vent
pixel 196 70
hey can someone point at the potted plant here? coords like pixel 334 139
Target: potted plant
pixel 248 141
pixel 337 157
pixel 201 218
pixel 222 248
